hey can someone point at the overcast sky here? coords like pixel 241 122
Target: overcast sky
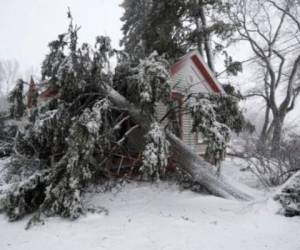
pixel 27 26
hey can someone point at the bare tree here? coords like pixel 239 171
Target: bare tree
pixel 8 73
pixel 272 28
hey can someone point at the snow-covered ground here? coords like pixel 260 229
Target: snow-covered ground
pixel 160 216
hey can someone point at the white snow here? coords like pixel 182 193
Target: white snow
pixel 160 216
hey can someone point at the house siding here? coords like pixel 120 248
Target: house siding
pixel 187 80
pixel 189 138
pixel 161 111
pixel 187 85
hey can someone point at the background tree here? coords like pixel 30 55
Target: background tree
pixel 266 36
pixel 208 28
pixel 8 73
pixel 16 99
pixel 152 26
pixel 176 27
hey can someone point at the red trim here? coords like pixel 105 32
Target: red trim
pixel 49 93
pixel 131 158
pixel 179 98
pixel 211 82
pixel 178 66
pixel 31 92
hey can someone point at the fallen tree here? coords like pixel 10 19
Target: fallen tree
pixel 202 171
pixel 70 140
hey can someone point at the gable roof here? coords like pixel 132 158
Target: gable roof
pixel 192 69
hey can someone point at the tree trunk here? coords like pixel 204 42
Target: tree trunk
pixel 261 146
pixel 207 45
pixel 277 133
pixel 199 37
pixel 202 171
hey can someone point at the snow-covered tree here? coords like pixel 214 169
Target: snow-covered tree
pixel 70 135
pixel 9 70
pixel 72 139
pixel 156 152
pixel 75 133
pixel 215 116
pixel 175 27
pixel 145 83
pixel 16 97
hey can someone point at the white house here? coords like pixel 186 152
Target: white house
pixel 191 75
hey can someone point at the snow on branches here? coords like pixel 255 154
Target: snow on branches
pixel 145 83
pixel 215 116
pixel 75 134
pixel 205 121
pixel 156 152
pixel 25 197
pixel 152 78
pixel 89 136
pixel 70 135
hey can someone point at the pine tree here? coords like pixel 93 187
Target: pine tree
pixel 177 27
pixel 151 26
pixel 16 97
pixel 32 95
pixel 71 142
